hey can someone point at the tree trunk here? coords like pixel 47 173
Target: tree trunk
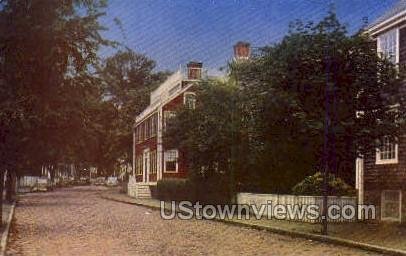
pixel 10 186
pixel 1 196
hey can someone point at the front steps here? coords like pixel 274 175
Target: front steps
pixel 142 191
pixel 139 190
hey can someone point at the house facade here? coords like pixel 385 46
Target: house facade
pixel 152 159
pixel 381 175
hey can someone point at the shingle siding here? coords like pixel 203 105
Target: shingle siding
pixel 388 176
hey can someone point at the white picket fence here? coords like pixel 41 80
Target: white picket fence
pixel 301 201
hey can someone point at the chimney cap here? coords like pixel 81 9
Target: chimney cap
pixel 242 43
pixel 194 64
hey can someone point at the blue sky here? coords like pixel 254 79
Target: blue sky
pixel 173 32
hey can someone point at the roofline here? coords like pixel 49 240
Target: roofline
pixel 139 119
pixel 386 24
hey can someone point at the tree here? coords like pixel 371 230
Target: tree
pixel 47 49
pixel 210 134
pixel 285 97
pixel 128 79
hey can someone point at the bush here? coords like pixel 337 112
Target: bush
pixel 174 189
pixel 313 186
pixel 206 191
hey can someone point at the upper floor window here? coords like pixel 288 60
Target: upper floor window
pixel 387 152
pixel 388 45
pixel 168 115
pixel 154 125
pixel 189 99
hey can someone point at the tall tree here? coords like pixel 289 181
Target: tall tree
pixel 128 77
pixel 47 49
pixel 289 86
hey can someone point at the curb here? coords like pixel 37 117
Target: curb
pixel 4 237
pixel 297 234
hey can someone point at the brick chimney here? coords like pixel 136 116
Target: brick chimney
pixel 194 70
pixel 242 51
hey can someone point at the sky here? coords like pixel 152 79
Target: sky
pixel 174 32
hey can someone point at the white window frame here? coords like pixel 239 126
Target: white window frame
pixel 168 114
pixel 397 53
pixel 387 161
pixel 153 161
pixel 185 97
pixel 400 206
pixel 177 160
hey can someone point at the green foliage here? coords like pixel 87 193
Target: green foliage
pixel 210 134
pixel 206 191
pixel 47 49
pixel 284 95
pixel 313 186
pixel 174 190
pixel 128 78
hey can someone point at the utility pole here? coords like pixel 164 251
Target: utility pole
pixel 326 146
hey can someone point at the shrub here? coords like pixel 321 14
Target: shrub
pixel 313 185
pixel 174 189
pixel 206 191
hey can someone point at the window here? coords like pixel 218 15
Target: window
pixel 168 115
pixel 138 165
pixel 387 152
pixel 147 129
pixel 391 201
pixel 388 45
pixel 154 123
pixel 142 132
pixel 153 162
pixel 171 160
pixel 136 135
pixel 189 99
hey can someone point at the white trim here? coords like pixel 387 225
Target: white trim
pixel 134 151
pixel 146 166
pixel 177 161
pixel 400 206
pixel 397 54
pixel 141 117
pixel 159 144
pixel 184 98
pixel 387 24
pixel 359 178
pixel 395 160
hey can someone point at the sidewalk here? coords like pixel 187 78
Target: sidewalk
pixel 8 211
pixel 383 238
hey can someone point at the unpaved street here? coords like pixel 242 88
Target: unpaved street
pixel 76 221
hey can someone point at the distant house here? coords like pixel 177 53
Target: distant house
pixel 381 175
pixel 152 159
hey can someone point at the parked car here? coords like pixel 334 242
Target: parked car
pixel 100 181
pixel 112 181
pixel 43 184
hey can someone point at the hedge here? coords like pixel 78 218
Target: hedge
pixel 206 191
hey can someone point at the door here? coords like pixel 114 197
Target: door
pixel 146 166
pixel 391 205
